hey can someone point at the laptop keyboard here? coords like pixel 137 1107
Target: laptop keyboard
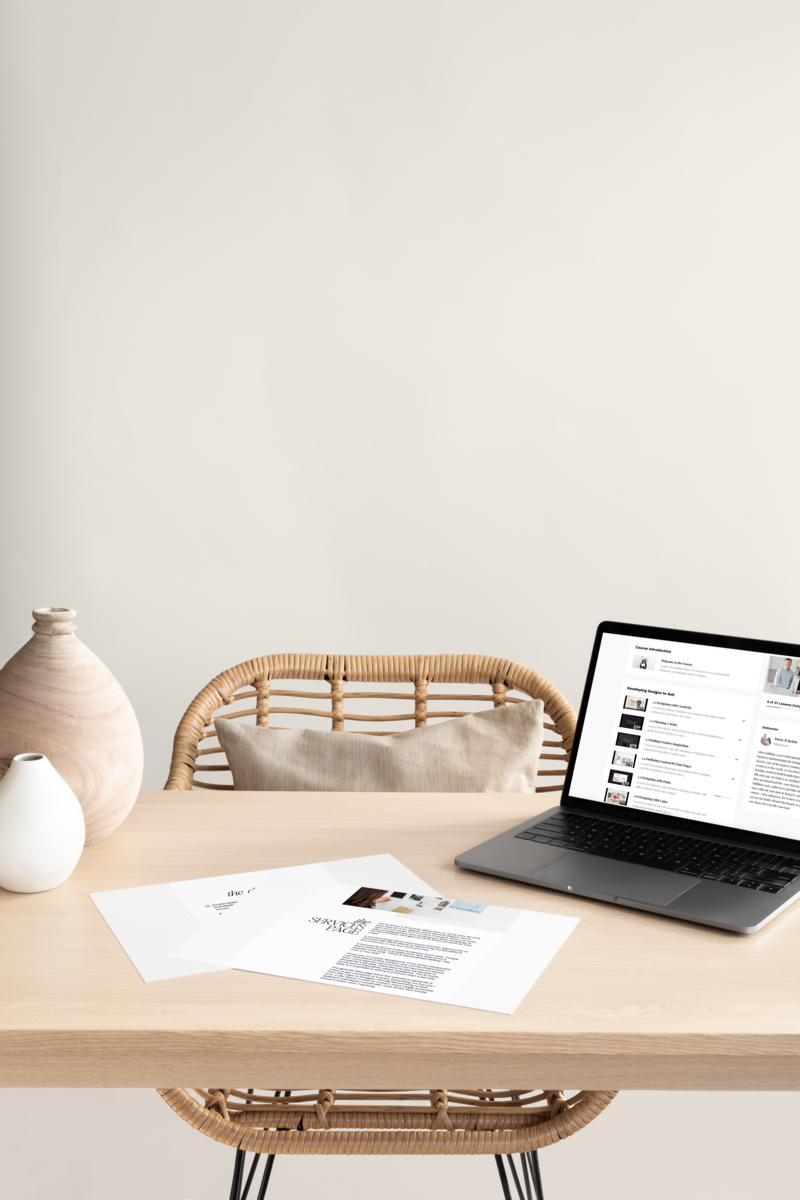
pixel 720 861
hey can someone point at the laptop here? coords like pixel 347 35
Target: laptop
pixel 682 794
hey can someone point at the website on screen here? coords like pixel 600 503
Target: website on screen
pixel 694 731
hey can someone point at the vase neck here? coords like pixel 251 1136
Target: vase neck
pixel 54 622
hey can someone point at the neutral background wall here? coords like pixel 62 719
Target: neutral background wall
pixel 399 327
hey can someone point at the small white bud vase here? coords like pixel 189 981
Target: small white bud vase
pixel 41 826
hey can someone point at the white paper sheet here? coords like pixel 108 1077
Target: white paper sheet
pixel 422 946
pixel 149 922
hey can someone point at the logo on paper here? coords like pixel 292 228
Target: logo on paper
pixel 352 927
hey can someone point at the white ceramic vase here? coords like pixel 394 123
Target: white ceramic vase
pixel 41 826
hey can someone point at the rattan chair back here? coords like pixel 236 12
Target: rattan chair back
pixel 248 691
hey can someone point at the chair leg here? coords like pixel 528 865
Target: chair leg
pixel 528 1171
pixel 236 1181
pixel 501 1171
pixel 269 1164
pixel 526 1174
pixel 251 1173
pixel 515 1176
pixel 239 1192
pixel 536 1174
pixel 531 1175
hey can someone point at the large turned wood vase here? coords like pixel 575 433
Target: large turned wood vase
pixel 57 699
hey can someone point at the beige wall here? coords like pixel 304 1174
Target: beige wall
pixel 397 327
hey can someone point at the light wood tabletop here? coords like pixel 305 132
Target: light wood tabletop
pixel 633 1000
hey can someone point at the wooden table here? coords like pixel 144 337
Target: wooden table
pixel 631 1001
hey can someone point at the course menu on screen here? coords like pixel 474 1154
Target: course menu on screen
pixel 694 731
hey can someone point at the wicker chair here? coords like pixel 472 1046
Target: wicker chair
pixel 479 1121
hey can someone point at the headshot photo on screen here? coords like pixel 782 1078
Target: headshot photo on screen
pixel 638 703
pixel 782 675
pixel 644 662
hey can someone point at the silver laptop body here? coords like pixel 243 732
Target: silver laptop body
pixel 682 794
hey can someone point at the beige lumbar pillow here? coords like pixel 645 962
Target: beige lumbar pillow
pixel 496 750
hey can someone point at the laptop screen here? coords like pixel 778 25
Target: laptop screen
pixel 692 730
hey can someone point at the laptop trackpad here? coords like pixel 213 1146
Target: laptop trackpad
pixel 608 877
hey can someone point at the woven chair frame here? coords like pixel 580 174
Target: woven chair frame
pixel 252 684
pixel 435 1122
pixel 373 1122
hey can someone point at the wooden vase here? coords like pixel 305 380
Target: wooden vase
pixel 57 699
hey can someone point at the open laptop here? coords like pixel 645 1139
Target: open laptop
pixel 682 794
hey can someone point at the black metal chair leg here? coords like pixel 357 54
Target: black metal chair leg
pixel 517 1183
pixel 251 1173
pixel 501 1171
pixel 536 1174
pixel 268 1165
pixel 236 1181
pixel 237 1191
pixel 526 1176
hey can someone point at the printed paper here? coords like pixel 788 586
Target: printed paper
pixel 400 943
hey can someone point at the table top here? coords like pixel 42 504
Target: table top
pixel 632 1000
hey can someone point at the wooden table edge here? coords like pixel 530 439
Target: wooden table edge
pixel 134 1059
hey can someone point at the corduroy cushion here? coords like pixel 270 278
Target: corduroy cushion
pixel 496 750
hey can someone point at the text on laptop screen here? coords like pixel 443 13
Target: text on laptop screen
pixel 693 731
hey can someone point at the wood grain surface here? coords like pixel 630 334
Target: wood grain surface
pixel 633 1000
